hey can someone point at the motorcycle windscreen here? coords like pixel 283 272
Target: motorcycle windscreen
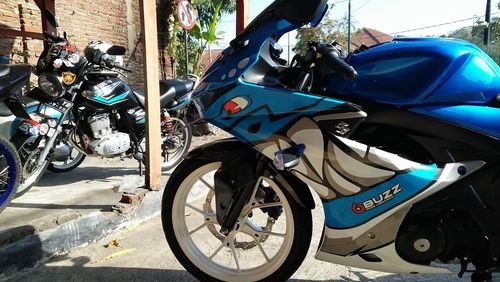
pixel 296 12
pixel 300 11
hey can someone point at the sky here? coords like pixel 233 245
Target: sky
pixel 389 16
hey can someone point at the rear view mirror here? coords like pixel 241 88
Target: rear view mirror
pixel 301 11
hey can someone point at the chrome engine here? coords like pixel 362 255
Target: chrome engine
pixel 106 142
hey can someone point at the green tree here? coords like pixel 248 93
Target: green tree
pixel 475 35
pixel 328 30
pixel 205 32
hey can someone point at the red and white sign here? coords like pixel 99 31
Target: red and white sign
pixel 186 14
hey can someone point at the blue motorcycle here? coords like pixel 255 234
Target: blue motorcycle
pixel 12 79
pixel 400 142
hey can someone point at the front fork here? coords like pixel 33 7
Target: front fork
pixel 235 182
pixel 67 106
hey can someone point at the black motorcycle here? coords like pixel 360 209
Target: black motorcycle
pixel 85 103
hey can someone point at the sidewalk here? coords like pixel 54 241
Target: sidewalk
pixel 75 208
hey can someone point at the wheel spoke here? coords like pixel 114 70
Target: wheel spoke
pixel 256 231
pixel 206 183
pixel 3 182
pixel 216 251
pixel 5 170
pixel 174 127
pixel 197 228
pixel 235 257
pixel 209 216
pixel 261 249
pixel 255 188
pixel 267 233
pixel 195 209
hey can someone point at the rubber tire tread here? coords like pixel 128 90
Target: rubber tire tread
pixel 302 222
pixel 188 144
pixel 52 168
pixel 17 161
pixel 18 140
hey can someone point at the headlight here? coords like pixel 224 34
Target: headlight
pixel 51 85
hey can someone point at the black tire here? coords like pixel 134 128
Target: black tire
pixel 301 218
pixel 186 145
pixel 20 142
pixel 77 163
pixel 13 162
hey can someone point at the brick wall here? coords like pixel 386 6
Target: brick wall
pixel 113 21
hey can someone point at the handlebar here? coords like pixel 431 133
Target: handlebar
pixel 109 61
pixel 122 68
pixel 333 59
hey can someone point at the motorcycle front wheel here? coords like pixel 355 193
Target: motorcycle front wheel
pixel 28 154
pixel 269 242
pixel 10 172
pixel 73 160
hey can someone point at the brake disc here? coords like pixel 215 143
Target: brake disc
pixel 245 245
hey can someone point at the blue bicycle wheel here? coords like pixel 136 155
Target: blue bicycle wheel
pixel 10 169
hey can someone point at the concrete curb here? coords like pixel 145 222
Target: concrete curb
pixel 35 249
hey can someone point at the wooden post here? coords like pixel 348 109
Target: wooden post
pixel 152 93
pixel 242 15
pixel 47 5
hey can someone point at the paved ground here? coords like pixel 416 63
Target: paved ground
pixel 91 187
pixel 143 255
pixel 86 189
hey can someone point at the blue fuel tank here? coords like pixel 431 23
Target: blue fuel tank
pixel 423 71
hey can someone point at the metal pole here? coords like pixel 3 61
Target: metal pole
pixel 487 30
pixel 186 64
pixel 209 53
pixel 349 28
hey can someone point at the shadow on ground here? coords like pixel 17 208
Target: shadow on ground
pixel 60 206
pixel 84 270
pixel 90 174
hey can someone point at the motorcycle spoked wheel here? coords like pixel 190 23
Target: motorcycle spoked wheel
pixel 261 247
pixel 175 145
pixel 74 159
pixel 10 172
pixel 31 173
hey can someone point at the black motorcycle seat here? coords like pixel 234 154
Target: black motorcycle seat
pixel 173 88
pixel 169 90
pixel 15 76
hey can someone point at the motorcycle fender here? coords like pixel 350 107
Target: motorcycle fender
pixel 235 153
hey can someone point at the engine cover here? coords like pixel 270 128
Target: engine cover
pixel 100 125
pixel 111 145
